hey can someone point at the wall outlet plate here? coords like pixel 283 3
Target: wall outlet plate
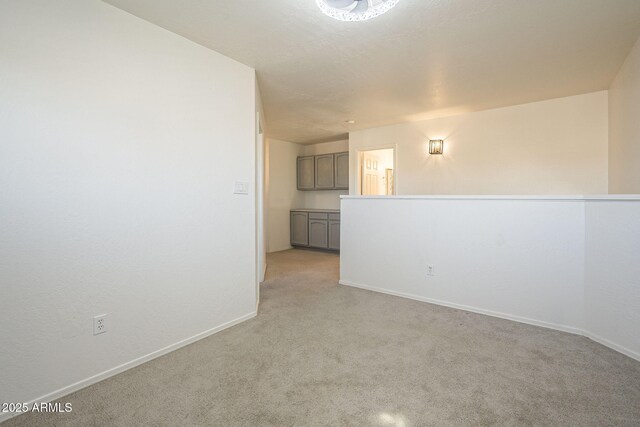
pixel 100 324
pixel 430 270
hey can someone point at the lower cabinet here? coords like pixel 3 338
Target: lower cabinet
pixel 318 233
pixel 299 229
pixel 315 229
pixel 334 235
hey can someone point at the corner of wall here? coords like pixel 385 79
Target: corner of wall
pixel 624 128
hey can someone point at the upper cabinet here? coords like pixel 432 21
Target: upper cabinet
pixel 324 172
pixel 341 170
pixel 306 168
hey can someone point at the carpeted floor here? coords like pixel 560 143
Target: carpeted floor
pixel 321 354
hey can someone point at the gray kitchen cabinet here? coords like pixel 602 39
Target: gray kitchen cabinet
pixel 334 235
pixel 324 172
pixel 316 228
pixel 341 170
pixel 299 229
pixel 318 233
pixel 306 173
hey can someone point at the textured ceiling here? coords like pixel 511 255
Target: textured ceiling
pixel 424 58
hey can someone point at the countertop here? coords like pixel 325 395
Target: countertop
pixel 316 210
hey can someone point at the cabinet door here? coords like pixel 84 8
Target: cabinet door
pixel 299 229
pixel 318 235
pixel 306 173
pixel 342 170
pixel 324 172
pixel 334 235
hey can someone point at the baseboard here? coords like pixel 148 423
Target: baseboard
pixel 472 309
pixel 570 329
pixel 605 342
pixel 273 251
pixel 128 365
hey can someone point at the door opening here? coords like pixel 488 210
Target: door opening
pixel 376 172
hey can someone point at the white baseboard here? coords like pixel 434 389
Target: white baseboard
pixel 548 325
pixel 512 317
pixel 273 251
pixel 605 342
pixel 128 365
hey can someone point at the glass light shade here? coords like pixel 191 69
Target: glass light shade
pixel 436 146
pixel 355 10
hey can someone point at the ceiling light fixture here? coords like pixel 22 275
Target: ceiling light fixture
pixel 355 10
pixel 350 122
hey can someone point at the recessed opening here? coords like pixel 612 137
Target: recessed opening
pixel 377 172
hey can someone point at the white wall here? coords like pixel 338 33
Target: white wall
pixel 550 147
pixel 612 285
pixel 119 146
pixel 282 192
pixel 560 262
pixel 323 199
pixel 325 147
pixel 624 127
pixel 520 259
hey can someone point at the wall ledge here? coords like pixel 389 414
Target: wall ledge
pixel 605 198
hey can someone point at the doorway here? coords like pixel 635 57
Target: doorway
pixel 377 172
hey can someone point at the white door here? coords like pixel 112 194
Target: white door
pixel 372 182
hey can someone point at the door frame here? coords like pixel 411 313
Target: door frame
pixel 358 159
pixel 260 212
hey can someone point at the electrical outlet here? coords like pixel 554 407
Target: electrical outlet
pixel 430 270
pixel 100 324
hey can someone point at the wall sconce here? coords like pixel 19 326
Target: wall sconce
pixel 436 146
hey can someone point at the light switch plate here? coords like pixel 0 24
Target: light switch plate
pixel 241 187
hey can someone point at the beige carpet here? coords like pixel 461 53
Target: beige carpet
pixel 321 354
